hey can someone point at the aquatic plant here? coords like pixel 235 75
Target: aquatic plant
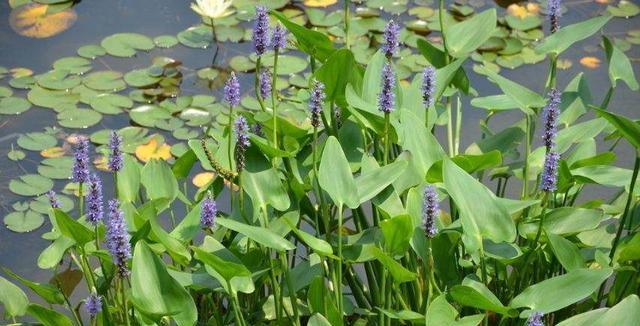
pixel 323 196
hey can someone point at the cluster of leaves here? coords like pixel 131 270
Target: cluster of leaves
pixel 320 229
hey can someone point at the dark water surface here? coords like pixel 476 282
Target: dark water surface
pixel 98 19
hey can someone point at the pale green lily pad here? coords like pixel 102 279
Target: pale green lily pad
pixel 23 221
pixel 241 63
pixel 624 9
pixel 78 118
pixel 165 41
pixel 195 37
pixel 5 91
pixel 58 80
pixel 510 61
pixel 86 94
pixel 16 155
pixel 106 80
pixel 170 124
pixel 131 137
pixel 229 33
pixel 41 204
pixel 30 185
pixel 126 44
pixel 36 141
pixel 523 24
pixel 13 105
pixel 91 51
pixel 111 103
pixel 185 133
pixel 208 73
pixel 74 65
pixel 148 115
pixel 318 17
pixel 56 167
pixel 24 82
pixel 56 100
pixel 140 78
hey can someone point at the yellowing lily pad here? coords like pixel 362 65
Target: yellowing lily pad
pixel 202 179
pixel 319 3
pixel 52 152
pixel 32 20
pixel 590 62
pixel 153 150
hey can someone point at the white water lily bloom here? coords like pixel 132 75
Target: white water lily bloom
pixel 212 8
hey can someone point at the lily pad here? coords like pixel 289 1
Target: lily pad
pixel 107 80
pixel 23 221
pixel 16 155
pixel 165 41
pixel 141 78
pixel 56 100
pixel 74 65
pixel 195 37
pixel 624 9
pixel 30 185
pixel 126 44
pixel 147 115
pixel 24 82
pixel 36 141
pixel 13 105
pixel 91 51
pixel 208 73
pixel 56 168
pixel 111 103
pixel 5 91
pixel 42 205
pixel 58 80
pixel 78 118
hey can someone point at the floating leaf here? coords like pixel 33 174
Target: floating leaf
pixel 51 152
pixel 590 62
pixel 30 185
pixel 153 150
pixel 16 155
pixel 202 179
pixel 13 105
pixel 165 41
pixel 23 221
pixel 78 118
pixel 34 20
pixel 107 80
pixel 110 103
pixel 36 141
pixel 126 44
pixel 319 3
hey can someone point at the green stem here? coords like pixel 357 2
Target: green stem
pixel 340 260
pixel 347 7
pixel 450 127
pixel 444 40
pixel 292 291
pixel 386 138
pixel 256 84
pixel 124 302
pixel 607 98
pixel 273 98
pixel 625 215
pixel 230 140
pixel 458 125
pixel 525 167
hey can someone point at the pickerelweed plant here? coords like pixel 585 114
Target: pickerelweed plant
pixel 356 214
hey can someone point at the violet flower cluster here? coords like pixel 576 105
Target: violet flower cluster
pixel 94 208
pixel 93 305
pixel 315 102
pixel 549 177
pixel 118 238
pixel 391 33
pixel 387 96
pixel 430 210
pixel 535 319
pixel 116 161
pixel 53 199
pixel 232 90
pixel 553 11
pixel 550 115
pixel 242 133
pixel 279 38
pixel 208 212
pixel 264 81
pixel 261 30
pixel 80 172
pixel 428 86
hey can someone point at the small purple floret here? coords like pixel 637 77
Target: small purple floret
pixel 391 33
pixel 232 90
pixel 208 212
pixel 553 11
pixel 53 199
pixel 315 102
pixel 118 238
pixel 93 305
pixel 430 211
pixel 116 161
pixel 242 133
pixel 80 171
pixel 428 86
pixel 264 81
pixel 261 30
pixel 387 96
pixel 549 177
pixel 94 200
pixel 550 115
pixel 279 38
pixel 535 319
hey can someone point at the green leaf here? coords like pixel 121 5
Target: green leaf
pixel 465 37
pixel 189 226
pixel 475 294
pixel 265 188
pixel 397 232
pixel 336 73
pixel 318 245
pixel 155 293
pixel 440 312
pixel 561 291
pixel 223 265
pixel 47 316
pixel 129 180
pixel 13 298
pixel 445 75
pixel 23 221
pixel 177 251
pixel 372 182
pixel 30 185
pixel 566 36
pixel 48 292
pixel 126 44
pixel 627 128
pixel 72 229
pixel 159 181
pixel 522 96
pixel 335 175
pixel 566 251
pixel 261 235
pixel 619 66
pixel 565 221
pixel 51 256
pixel 313 43
pixel 480 212
pixel 398 272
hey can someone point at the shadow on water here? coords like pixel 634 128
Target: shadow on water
pixel 98 19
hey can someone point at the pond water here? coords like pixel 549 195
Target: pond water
pixel 99 19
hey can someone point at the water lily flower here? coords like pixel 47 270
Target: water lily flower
pixel 212 8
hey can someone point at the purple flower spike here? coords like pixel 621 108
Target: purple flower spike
pixel 265 84
pixel 232 90
pixel 550 115
pixel 428 86
pixel 535 319
pixel 242 133
pixel 391 33
pixel 93 305
pixel 80 171
pixel 118 238
pixel 279 38
pixel 116 161
pixel 315 102
pixel 549 177
pixel 430 210
pixel 53 199
pixel 261 30
pixel 387 96
pixel 257 130
pixel 553 10
pixel 208 212
pixel 94 200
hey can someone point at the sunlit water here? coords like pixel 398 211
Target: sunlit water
pixel 98 19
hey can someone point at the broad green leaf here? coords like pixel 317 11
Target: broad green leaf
pixel 397 271
pixel 466 36
pixel 566 36
pixel 371 183
pixel 619 66
pixel 339 70
pixel 561 291
pixel 318 245
pixel 318 320
pixel 522 96
pixel 402 314
pixel 625 313
pixel 13 298
pixel 441 313
pixel 261 235
pixel 475 294
pixel 48 292
pixel 155 293
pixel 397 232
pixel 470 163
pixel 159 181
pixel 629 129
pixel 565 221
pixel 481 214
pixel 177 251
pixel 51 256
pixel 47 316
pixel 265 188
pixel 445 75
pixel 335 175
pixel 313 43
pixel 72 229
pixel 223 266
pixel 129 180
pixel 189 226
pixel 566 251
